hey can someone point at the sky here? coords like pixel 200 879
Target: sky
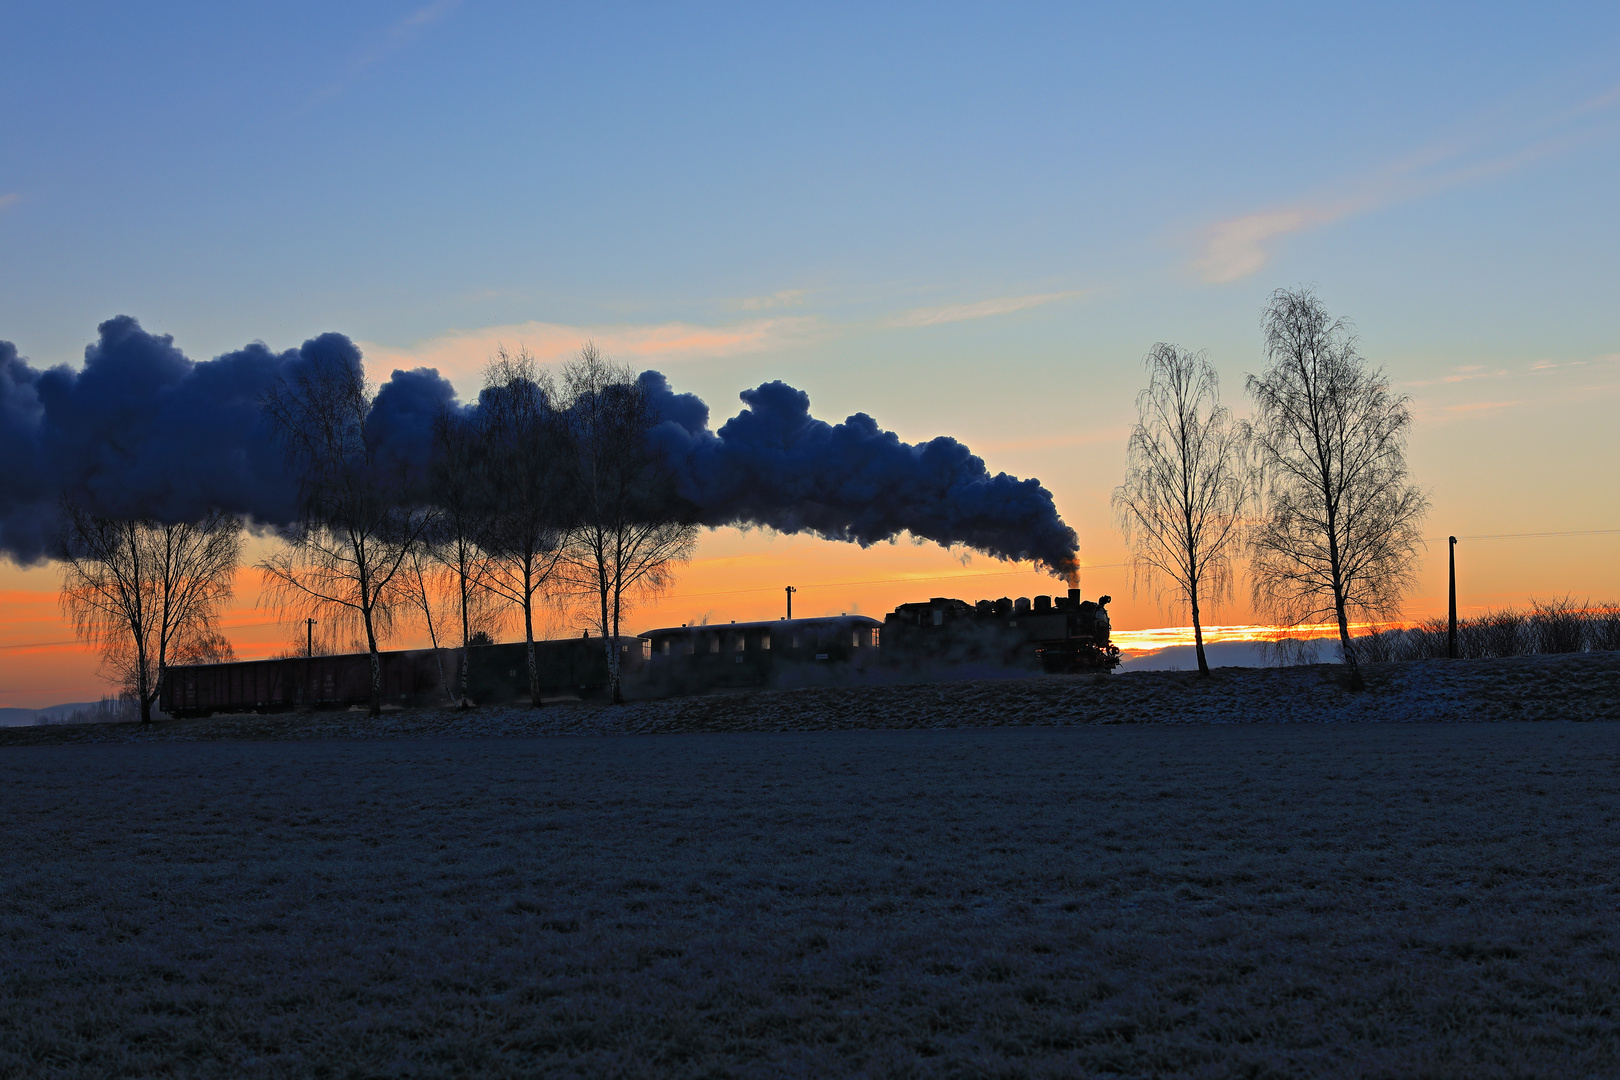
pixel 963 220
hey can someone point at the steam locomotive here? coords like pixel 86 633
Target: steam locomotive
pixel 1062 634
pixel 938 638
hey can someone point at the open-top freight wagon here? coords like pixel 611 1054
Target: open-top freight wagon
pixel 409 677
pixel 572 667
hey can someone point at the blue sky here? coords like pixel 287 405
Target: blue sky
pixel 964 220
pixel 392 170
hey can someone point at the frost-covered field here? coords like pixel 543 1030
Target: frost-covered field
pixel 1575 686
pixel 1159 900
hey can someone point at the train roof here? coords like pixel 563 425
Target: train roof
pixel 391 652
pixel 767 624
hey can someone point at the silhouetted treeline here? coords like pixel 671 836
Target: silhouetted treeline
pixel 1557 625
pixel 122 709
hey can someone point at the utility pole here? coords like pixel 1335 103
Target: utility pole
pixel 1451 633
pixel 790 591
pixel 308 682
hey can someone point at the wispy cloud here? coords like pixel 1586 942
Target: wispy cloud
pixel 783 298
pixel 1474 372
pixel 1435 413
pixel 1239 246
pixel 390 41
pixel 460 354
pixel 1479 406
pixel 1536 383
pixel 982 309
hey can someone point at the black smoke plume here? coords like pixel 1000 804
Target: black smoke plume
pixel 775 465
pixel 143 431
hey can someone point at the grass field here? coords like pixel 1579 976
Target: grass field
pixel 1194 900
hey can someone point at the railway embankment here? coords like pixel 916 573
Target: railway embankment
pixel 1570 687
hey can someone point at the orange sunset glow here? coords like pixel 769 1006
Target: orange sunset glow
pixel 942 246
pixel 740 576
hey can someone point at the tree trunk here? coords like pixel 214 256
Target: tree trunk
pixel 466 636
pixel 157 691
pixel 1357 683
pixel 433 638
pixel 1198 638
pixel 444 683
pixel 614 684
pixel 606 623
pixel 534 668
pixel 141 685
pixel 376 666
pixel 1349 650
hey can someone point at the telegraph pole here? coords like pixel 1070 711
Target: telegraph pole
pixel 1451 633
pixel 790 591
pixel 307 685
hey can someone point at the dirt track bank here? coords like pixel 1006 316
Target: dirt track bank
pixel 1583 686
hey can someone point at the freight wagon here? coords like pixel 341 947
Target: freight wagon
pixel 409 677
pixel 567 667
pixel 692 659
pixel 572 667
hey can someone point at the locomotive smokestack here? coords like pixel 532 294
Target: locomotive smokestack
pixel 1074 596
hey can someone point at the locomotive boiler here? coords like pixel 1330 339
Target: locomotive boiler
pixel 1053 634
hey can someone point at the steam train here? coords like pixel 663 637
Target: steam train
pixel 939 638
pixel 1057 634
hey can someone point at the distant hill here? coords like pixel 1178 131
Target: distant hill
pixel 1185 657
pixel 10 717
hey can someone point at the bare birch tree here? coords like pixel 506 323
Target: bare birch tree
pixel 430 595
pixel 630 531
pixel 1338 536
pixel 148 594
pixel 465 512
pixel 1186 487
pixel 341 561
pixel 524 483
